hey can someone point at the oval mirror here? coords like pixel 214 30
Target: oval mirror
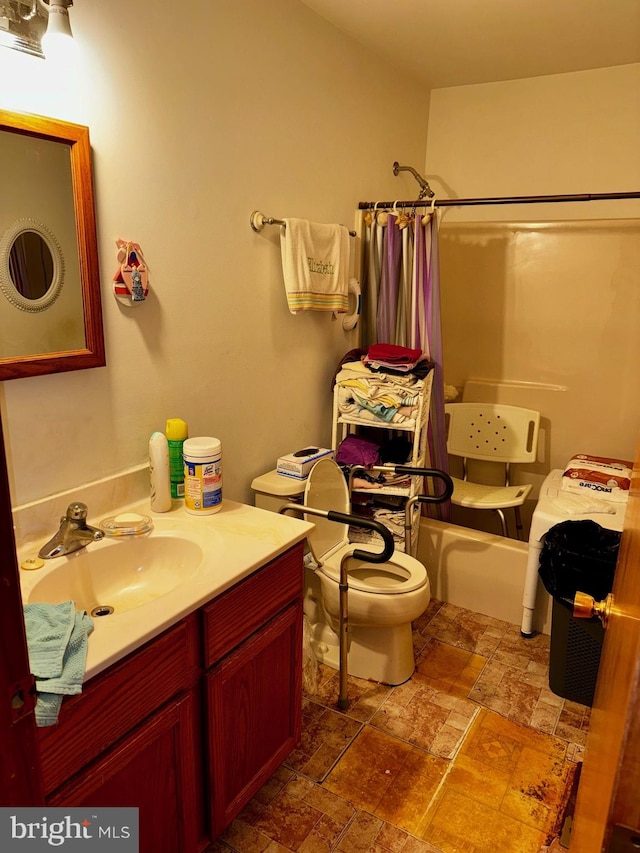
pixel 31 266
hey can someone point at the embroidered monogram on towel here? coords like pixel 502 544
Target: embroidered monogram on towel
pixel 319 267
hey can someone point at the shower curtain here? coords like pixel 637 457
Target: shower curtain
pixel 401 302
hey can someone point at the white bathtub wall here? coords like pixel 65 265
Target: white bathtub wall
pixel 479 571
pixel 200 113
pixel 540 303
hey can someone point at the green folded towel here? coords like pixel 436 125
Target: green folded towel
pixel 57 640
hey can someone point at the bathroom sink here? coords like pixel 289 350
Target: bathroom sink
pixel 114 577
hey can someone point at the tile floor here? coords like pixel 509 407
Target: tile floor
pixel 473 755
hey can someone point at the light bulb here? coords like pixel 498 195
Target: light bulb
pixel 58 36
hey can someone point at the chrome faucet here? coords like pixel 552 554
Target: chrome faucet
pixel 74 533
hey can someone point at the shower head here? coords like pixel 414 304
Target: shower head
pixel 425 189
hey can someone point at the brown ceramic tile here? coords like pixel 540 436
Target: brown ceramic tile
pixel 246 839
pixel 368 834
pixel 422 621
pixel 325 736
pixel 473 754
pixel 387 777
pixel 449 669
pixel 520 775
pixel 365 697
pixel 508 690
pixel 545 717
pixel 288 820
pixel 463 824
pixel 573 723
pixel 426 718
pixel 465 629
pixel 538 785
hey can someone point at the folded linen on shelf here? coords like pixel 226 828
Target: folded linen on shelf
pixel 377 396
pixel 393 520
pixel 315 266
pixel 392 357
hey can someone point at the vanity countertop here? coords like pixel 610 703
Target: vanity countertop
pixel 236 541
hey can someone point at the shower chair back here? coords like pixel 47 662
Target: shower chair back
pixel 490 432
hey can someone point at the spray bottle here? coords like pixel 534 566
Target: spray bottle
pixel 176 431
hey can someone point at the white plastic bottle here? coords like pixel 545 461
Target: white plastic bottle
pixel 159 473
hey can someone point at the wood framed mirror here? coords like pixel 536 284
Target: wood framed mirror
pixel 50 305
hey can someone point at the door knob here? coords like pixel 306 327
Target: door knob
pixel 585 607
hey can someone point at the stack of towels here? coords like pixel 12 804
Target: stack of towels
pixel 57 639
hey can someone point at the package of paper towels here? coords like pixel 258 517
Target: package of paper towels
pixel 599 476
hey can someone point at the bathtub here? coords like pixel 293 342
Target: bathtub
pixel 479 571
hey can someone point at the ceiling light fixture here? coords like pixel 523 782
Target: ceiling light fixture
pixel 26 25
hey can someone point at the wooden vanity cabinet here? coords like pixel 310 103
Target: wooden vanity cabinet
pixel 188 727
pixel 157 769
pixel 132 738
pixel 253 683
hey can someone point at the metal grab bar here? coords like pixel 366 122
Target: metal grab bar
pixel 434 473
pixel 357 554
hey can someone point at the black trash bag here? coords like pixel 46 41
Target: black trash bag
pixel 579 555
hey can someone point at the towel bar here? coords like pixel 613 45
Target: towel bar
pixel 259 220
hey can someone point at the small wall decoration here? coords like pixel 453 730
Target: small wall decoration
pixel 131 281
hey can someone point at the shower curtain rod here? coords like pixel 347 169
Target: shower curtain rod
pixel 523 199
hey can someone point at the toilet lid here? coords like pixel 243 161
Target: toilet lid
pixel 326 489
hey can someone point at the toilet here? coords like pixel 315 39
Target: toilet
pixel 383 598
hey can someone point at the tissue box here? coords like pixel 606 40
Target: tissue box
pixel 299 464
pixel 598 476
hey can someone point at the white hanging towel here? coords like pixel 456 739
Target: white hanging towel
pixel 315 266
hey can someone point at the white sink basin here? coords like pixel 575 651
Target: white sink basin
pixel 114 577
pixel 153 581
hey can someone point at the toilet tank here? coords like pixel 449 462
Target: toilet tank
pixel 273 490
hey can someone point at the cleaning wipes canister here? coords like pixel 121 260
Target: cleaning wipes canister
pixel 202 475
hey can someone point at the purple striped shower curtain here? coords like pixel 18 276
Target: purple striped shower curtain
pixel 401 305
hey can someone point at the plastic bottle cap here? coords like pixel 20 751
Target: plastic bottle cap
pixel 176 429
pixel 201 447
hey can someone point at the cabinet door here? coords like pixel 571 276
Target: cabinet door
pixel 254 713
pixel 156 769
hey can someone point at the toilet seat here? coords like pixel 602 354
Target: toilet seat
pixel 326 489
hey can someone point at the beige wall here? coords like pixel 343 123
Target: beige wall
pixel 196 120
pixel 565 133
pixel 544 310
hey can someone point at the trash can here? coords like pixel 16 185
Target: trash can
pixel 576 555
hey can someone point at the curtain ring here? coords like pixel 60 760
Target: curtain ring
pixel 427 217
